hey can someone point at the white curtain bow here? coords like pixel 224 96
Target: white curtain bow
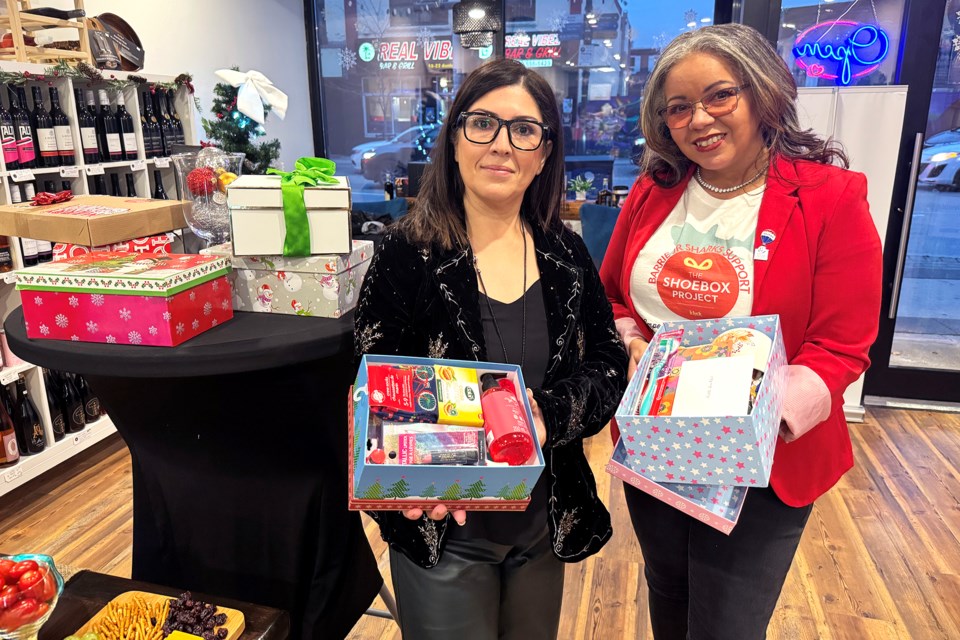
pixel 255 90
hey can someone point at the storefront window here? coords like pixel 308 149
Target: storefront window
pixel 390 70
pixel 829 43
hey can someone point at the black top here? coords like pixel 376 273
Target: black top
pixel 514 527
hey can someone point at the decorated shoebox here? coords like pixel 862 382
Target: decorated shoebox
pixel 160 244
pixel 126 298
pixel 92 221
pixel 476 487
pixel 259 224
pixel 732 450
pixel 323 286
pixel 715 505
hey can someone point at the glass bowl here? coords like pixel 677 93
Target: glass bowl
pixel 23 611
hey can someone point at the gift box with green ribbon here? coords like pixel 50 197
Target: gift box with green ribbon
pixel 291 213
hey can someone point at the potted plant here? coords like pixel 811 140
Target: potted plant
pixel 579 185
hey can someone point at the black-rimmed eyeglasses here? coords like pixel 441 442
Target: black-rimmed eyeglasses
pixel 717 103
pixel 483 128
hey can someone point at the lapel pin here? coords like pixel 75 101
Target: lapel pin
pixel 760 253
pixel 767 236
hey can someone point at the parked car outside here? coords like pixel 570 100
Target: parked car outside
pixel 940 161
pixel 392 158
pixel 404 137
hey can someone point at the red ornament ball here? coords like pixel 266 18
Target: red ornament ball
pixel 220 116
pixel 202 181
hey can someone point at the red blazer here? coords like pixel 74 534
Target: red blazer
pixel 822 276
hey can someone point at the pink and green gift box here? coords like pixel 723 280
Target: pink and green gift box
pixel 126 298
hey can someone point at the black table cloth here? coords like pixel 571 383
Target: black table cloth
pixel 238 444
pixel 86 593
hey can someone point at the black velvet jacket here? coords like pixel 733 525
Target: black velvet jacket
pixel 420 302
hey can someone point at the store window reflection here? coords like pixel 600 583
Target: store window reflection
pixel 390 70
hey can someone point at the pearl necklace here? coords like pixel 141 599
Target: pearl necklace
pixel 710 187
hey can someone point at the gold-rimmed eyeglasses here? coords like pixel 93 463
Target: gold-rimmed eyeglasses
pixel 483 128
pixel 716 103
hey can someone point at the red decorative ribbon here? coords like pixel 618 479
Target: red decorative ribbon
pixel 44 198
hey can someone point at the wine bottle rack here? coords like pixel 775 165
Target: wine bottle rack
pixel 80 176
pixel 19 24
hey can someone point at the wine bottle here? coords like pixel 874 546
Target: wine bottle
pixel 59 14
pixel 115 185
pixel 159 193
pixel 91 403
pixel 99 186
pixel 26 152
pixel 6 258
pixel 107 122
pixel 16 196
pixel 28 420
pixel 125 124
pixel 8 138
pixel 57 418
pixel 61 127
pixel 8 436
pixel 28 249
pixel 176 123
pixel 166 132
pixel 44 251
pixel 131 189
pixel 89 131
pixel 46 135
pixel 605 196
pixel 71 403
pixel 152 144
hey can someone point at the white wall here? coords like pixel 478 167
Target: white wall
pixel 201 36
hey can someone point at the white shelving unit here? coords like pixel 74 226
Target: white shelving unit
pixel 80 176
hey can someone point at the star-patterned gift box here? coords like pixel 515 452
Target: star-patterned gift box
pixel 126 298
pixel 730 450
pixel 470 487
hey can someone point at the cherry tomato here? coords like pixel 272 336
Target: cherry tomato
pixel 29 578
pixel 39 584
pixel 21 568
pixel 9 595
pixel 20 614
pixel 5 565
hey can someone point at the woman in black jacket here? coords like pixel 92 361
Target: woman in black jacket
pixel 482 269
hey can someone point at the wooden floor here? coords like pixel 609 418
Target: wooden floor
pixel 880 557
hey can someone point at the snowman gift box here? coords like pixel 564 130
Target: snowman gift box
pixel 324 286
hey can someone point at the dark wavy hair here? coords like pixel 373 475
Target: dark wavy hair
pixel 772 95
pixel 438 216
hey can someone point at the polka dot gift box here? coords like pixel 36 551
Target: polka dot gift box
pixel 701 417
pixel 126 298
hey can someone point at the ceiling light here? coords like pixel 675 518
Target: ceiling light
pixel 476 14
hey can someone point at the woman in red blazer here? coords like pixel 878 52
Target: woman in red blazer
pixel 739 212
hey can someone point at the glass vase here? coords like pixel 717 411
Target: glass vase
pixel 204 176
pixel 25 612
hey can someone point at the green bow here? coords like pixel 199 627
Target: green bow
pixel 307 172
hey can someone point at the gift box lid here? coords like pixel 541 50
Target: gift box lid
pixel 92 221
pixel 263 192
pixel 333 263
pixel 124 273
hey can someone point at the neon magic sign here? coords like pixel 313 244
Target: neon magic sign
pixel 841 50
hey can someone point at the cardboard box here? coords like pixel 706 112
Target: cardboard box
pixel 92 221
pixel 323 286
pixel 257 222
pixel 717 506
pixel 733 450
pixel 125 298
pixel 160 244
pixel 395 486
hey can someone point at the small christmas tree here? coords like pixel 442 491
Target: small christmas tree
pixel 373 492
pixel 399 489
pixel 475 491
pixel 232 131
pixel 429 492
pixel 453 492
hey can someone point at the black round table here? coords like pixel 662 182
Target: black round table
pixel 238 441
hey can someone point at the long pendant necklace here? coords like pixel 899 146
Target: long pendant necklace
pixel 710 187
pixel 523 324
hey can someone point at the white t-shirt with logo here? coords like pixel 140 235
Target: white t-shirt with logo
pixel 699 263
